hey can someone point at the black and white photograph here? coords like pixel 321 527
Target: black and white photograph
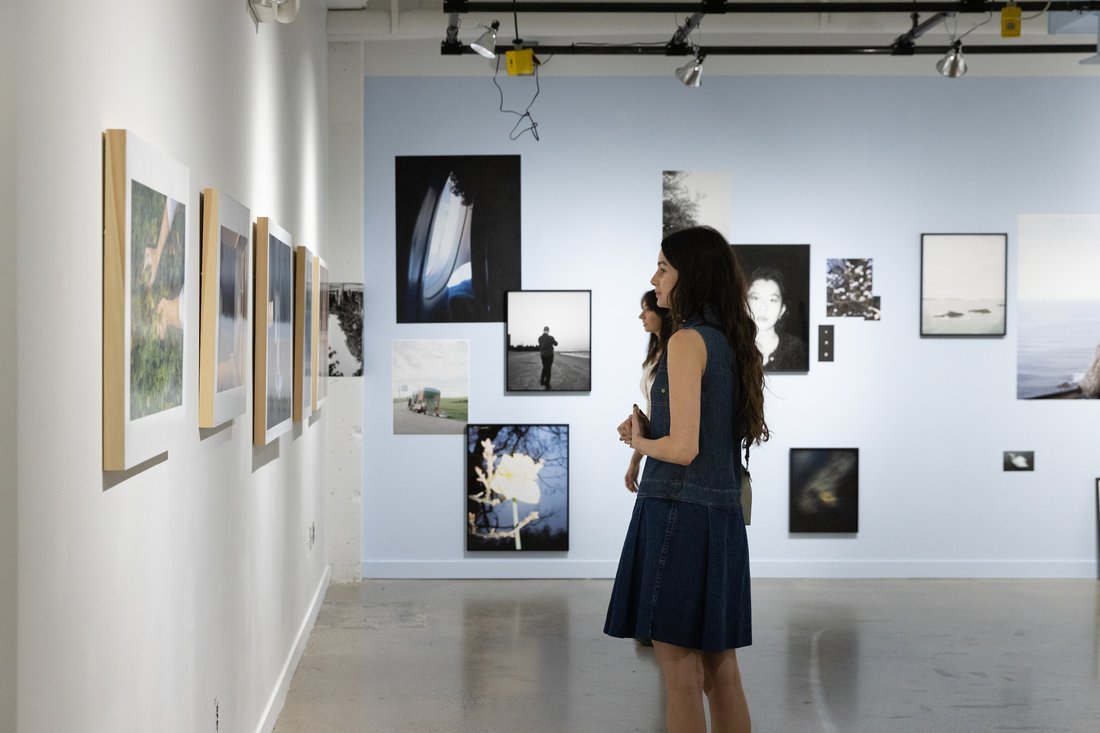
pixel 778 276
pixel 345 329
pixel 1058 308
pixel 549 341
pixel 1019 460
pixel 517 487
pixel 431 386
pixel 458 237
pixel 694 198
pixel 963 282
pixel 273 370
pixel 824 490
pixel 849 286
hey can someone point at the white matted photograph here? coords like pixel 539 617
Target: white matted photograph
pixel 549 341
pixel 694 198
pixel 963 281
pixel 431 386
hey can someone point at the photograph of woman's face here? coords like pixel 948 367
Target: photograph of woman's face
pixel 766 304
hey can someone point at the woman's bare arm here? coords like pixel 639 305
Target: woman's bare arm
pixel 687 358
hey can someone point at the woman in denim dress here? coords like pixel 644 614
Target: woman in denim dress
pixel 683 578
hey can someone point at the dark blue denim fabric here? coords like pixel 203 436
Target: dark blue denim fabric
pixel 683 576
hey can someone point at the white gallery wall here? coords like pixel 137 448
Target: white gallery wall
pixel 172 598
pixel 857 167
pixel 8 75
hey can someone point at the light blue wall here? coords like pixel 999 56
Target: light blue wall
pixel 857 167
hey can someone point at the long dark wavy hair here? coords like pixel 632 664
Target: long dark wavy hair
pixel 710 281
pixel 657 341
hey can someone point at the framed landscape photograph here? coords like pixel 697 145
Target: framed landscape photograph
pixel 549 341
pixel 1058 307
pixel 145 197
pixel 273 343
pixel 305 347
pixel 963 284
pixel 778 276
pixel 517 488
pixel 824 490
pixel 226 254
pixel 431 386
pixel 458 236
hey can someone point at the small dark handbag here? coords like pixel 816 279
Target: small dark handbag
pixel 746 490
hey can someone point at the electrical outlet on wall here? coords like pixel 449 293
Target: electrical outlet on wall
pixel 312 534
pixel 217 715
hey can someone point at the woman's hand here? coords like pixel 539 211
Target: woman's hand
pixel 632 472
pixel 626 429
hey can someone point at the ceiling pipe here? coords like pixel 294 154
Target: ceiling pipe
pixel 728 7
pixel 577 49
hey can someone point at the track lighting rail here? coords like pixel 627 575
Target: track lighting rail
pixel 628 50
pixel 730 7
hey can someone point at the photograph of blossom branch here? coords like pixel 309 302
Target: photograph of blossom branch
pixel 848 289
pixel 517 487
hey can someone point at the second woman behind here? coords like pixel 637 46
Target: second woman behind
pixel 656 323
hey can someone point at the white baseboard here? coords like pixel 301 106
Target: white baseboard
pixel 478 568
pixel 286 674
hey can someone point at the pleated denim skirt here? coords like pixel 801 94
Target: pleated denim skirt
pixel 683 577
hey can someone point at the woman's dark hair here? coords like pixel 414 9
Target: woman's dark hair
pixel 710 280
pixel 657 341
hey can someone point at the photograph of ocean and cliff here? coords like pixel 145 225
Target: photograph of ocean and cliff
pixel 963 284
pixel 1058 346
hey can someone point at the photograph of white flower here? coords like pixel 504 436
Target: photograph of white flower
pixel 1019 460
pixel 517 487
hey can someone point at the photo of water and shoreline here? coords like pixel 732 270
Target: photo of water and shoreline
pixel 1057 344
pixel 963 284
pixel 1058 304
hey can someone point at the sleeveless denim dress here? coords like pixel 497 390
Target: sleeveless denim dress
pixel 683 577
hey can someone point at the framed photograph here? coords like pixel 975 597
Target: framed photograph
pixel 226 254
pixel 458 237
pixel 345 328
pixel 549 341
pixel 824 490
pixel 963 284
pixel 848 289
pixel 321 328
pixel 304 341
pixel 145 198
pixel 1058 308
pixel 778 276
pixel 1098 528
pixel 1019 460
pixel 431 386
pixel 273 333
pixel 694 198
pixel 517 488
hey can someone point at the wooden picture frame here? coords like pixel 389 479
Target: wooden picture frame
pixel 320 374
pixel 226 255
pixel 273 333
pixel 145 207
pixel 963 285
pixel 305 342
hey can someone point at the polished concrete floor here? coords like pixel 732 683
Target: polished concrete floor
pixel 836 656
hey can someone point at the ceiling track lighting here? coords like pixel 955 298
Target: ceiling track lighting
pixel 679 44
pixel 691 73
pixel 952 65
pixel 486 44
pixel 281 11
